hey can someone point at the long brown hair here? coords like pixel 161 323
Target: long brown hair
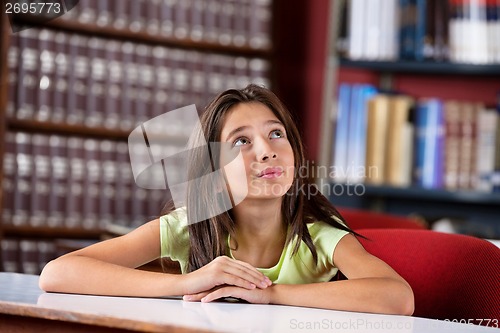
pixel 208 238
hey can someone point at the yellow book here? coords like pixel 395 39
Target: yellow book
pixel 396 152
pixel 378 111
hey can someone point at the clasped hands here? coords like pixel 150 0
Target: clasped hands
pixel 227 277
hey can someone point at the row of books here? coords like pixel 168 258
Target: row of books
pixel 53 181
pixel 463 31
pixel 227 22
pixel 26 255
pixel 395 140
pixel 62 77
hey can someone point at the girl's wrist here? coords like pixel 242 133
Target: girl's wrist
pixel 273 292
pixel 175 284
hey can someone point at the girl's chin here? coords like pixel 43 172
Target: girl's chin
pixel 268 192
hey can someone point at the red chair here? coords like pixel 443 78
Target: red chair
pixel 363 219
pixel 452 276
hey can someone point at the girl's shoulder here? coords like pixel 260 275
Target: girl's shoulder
pixel 176 218
pixel 320 230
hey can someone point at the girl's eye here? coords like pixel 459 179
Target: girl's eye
pixel 276 134
pixel 240 142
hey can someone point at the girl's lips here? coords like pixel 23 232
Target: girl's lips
pixel 270 173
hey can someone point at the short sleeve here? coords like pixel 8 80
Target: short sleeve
pixel 326 237
pixel 174 235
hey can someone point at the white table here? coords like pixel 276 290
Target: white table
pixel 22 302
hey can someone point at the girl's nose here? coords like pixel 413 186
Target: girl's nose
pixel 266 151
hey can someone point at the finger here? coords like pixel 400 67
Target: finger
pixel 234 280
pixel 195 297
pixel 254 271
pixel 219 293
pixel 249 275
pixel 244 267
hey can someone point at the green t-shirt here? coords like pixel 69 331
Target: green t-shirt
pixel 297 269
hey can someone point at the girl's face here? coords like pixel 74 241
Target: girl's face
pixel 265 166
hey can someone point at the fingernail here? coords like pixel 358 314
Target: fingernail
pixel 187 298
pixel 204 299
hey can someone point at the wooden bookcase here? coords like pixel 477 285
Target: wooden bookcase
pixel 478 210
pixel 26 247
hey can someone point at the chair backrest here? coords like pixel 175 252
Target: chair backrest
pixel 452 276
pixel 363 219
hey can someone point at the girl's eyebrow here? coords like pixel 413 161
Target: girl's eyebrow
pixel 242 128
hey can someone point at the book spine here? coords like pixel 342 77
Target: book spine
pixel 10 255
pixel 225 19
pixel 181 27
pixel 91 184
pixel 107 151
pixel 104 13
pixel 485 153
pixel 493 30
pixel 342 133
pixel 128 86
pixel 28 256
pixel 376 137
pixel 456 31
pixel 9 177
pixel 121 11
pixel 452 144
pixel 259 71
pixel 40 180
pixel 153 17
pixel 396 142
pixel 59 181
pixel 24 167
pixel 429 38
pixel 46 252
pixel 61 80
pixel 13 63
pixel 419 30
pixel 114 74
pixel 356 29
pixel 240 22
pixel 96 83
pixel 422 167
pixel 466 144
pixel 144 86
pixel 372 25
pixel 87 13
pixel 124 183
pixel 162 78
pixel 46 45
pixel 167 17
pixel 441 27
pixel 27 74
pixel 76 181
pixel 77 80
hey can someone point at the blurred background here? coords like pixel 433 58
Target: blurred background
pixel 397 102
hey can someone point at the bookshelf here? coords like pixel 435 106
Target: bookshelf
pixel 445 79
pixel 73 88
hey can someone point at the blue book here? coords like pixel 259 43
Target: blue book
pixel 357 132
pixel 419 29
pixel 429 144
pixel 341 133
pixel 404 36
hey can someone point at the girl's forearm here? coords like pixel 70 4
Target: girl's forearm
pixel 375 295
pixel 83 275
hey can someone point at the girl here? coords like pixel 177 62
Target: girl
pixel 277 245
